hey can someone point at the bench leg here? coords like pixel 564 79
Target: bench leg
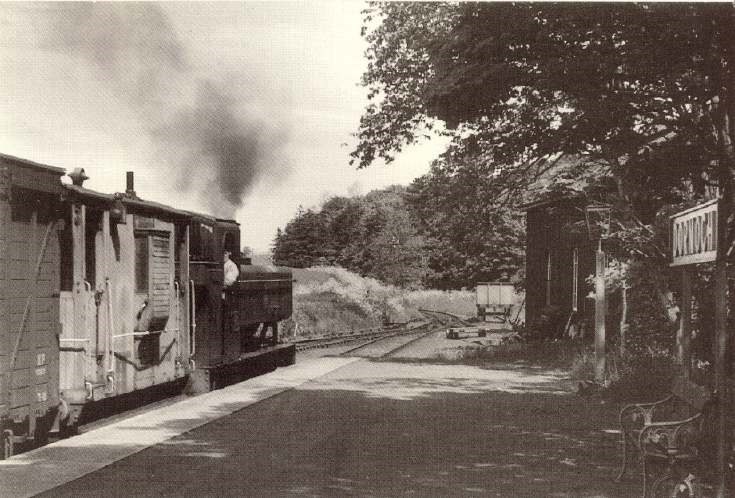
pixel 657 484
pixel 625 457
pixel 671 486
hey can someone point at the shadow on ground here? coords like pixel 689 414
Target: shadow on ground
pixel 384 430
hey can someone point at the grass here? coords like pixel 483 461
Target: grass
pixel 329 300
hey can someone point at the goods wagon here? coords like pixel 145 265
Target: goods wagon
pixel 30 260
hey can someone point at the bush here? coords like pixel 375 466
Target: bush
pixel 633 377
pixel 549 324
pixel 583 366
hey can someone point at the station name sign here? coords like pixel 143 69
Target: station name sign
pixel 694 234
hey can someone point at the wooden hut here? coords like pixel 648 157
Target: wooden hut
pixel 559 258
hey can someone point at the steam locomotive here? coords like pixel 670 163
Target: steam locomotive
pixel 104 296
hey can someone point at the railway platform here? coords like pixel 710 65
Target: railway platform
pixel 63 461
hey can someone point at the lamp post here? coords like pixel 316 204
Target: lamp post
pixel 597 217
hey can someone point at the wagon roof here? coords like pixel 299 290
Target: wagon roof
pixel 130 202
pixel 33 176
pixel 227 220
pixel 25 162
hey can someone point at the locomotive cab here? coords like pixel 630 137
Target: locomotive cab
pixel 233 325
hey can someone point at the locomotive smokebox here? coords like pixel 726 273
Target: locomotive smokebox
pixel 130 184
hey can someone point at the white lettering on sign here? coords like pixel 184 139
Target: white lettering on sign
pixel 694 235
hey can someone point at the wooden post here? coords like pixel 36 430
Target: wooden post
pixel 721 344
pixel 600 309
pixel 623 318
pixel 721 335
pixel 721 338
pixel 684 334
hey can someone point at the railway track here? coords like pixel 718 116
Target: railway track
pixel 385 345
pixel 392 344
pixel 366 335
pixel 443 317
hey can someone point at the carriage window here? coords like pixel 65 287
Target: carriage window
pixel 200 243
pixel 91 228
pixel 141 263
pixel 230 244
pixel 66 255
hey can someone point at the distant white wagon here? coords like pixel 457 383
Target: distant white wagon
pixel 496 301
pixel 499 306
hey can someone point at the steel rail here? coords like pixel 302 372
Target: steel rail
pixel 337 339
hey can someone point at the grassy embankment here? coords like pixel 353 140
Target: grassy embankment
pixel 329 300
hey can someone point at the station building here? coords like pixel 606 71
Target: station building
pixel 559 258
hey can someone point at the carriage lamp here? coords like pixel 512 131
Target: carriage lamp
pixel 118 212
pixel 597 217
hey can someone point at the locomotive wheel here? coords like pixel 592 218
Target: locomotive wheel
pixel 8 445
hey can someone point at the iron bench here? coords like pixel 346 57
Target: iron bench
pixel 668 430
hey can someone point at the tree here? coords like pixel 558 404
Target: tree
pixel 473 238
pixel 300 244
pixel 628 103
pixel 517 83
pixel 374 235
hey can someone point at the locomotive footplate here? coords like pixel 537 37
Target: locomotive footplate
pixel 248 365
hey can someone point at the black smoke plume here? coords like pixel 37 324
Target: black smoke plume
pixel 204 133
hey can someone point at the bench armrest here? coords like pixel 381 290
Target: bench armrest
pixel 641 413
pixel 675 438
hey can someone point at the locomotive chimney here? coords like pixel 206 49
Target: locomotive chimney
pixel 130 187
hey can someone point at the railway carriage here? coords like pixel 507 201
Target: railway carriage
pixel 124 296
pixel 106 296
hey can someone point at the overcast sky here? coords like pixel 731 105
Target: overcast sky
pixel 236 109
